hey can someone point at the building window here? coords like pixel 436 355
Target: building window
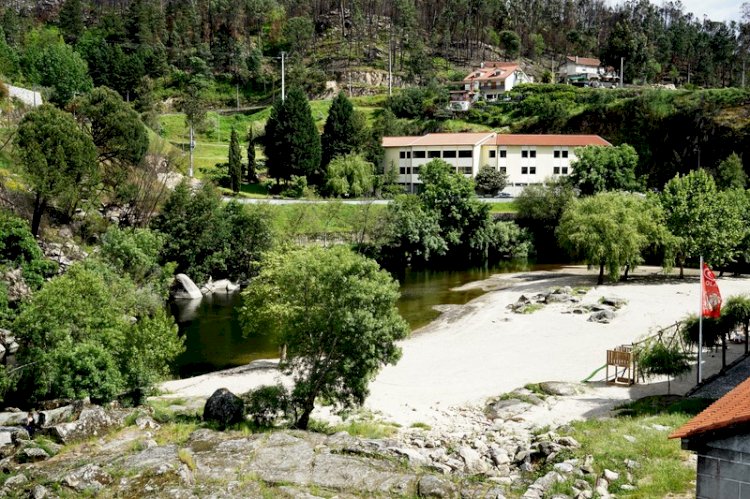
pixel 415 170
pixel 402 170
pixel 493 153
pixel 532 154
pixel 565 154
pixel 419 154
pixel 464 154
pixel 524 170
pixel 565 170
pixel 532 170
pixel 557 154
pixel 433 154
pixel 556 170
pixel 449 154
pixel 466 170
pixel 503 169
pixel 503 153
pixel 404 154
pixel 524 154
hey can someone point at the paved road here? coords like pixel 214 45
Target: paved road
pixel 344 201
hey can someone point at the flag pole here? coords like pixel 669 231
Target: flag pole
pixel 700 326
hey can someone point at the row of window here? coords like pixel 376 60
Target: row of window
pixel 526 153
pixel 467 170
pixel 435 154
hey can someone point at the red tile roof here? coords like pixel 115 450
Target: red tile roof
pixel 493 71
pixel 585 61
pixel 733 408
pixel 439 139
pixel 550 140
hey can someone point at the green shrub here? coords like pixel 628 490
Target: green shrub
pixel 266 404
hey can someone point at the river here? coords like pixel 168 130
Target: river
pixel 213 334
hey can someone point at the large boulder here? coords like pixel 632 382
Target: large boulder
pixel 603 317
pixel 224 408
pixel 185 288
pixel 432 486
pixel 92 422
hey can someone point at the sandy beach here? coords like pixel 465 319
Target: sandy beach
pixel 483 349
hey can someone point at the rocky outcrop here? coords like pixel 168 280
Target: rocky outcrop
pixel 15 284
pixel 185 289
pixel 220 286
pixel 224 408
pixel 92 422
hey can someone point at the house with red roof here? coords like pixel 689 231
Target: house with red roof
pixel 488 82
pixel 720 436
pixel 583 70
pixel 525 159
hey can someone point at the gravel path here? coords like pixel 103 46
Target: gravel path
pixel 723 384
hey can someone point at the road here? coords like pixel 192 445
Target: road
pixel 343 201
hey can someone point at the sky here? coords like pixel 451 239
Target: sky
pixel 717 10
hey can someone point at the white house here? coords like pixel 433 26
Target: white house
pixel 526 159
pixel 583 69
pixel 492 79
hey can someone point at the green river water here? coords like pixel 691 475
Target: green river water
pixel 213 334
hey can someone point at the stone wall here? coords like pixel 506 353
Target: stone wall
pixel 724 469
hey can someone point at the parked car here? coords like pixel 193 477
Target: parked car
pixel 502 195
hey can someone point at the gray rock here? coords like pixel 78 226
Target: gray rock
pixel 560 388
pixel 569 442
pixel 88 477
pixel 499 456
pixel 627 487
pixel 506 409
pixel 39 492
pixel 12 348
pixel 414 457
pixel 16 481
pixel 613 301
pixel 31 455
pixel 472 460
pixel 432 486
pixel 12 418
pixel 185 289
pixel 602 317
pixel 52 417
pixel 610 475
pixel 629 438
pixel 630 464
pixel 93 421
pixel 224 286
pixel 565 468
pixel 146 423
pixel 224 408
pixel 557 298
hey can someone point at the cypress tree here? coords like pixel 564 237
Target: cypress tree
pixel 340 132
pixel 292 142
pixel 72 20
pixel 235 162
pixel 251 173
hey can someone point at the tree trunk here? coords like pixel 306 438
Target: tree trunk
pixel 600 281
pixel 746 337
pixel 282 353
pixel 723 352
pixel 304 420
pixel 625 275
pixel 40 204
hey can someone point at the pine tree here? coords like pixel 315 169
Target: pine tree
pixel 340 132
pixel 292 142
pixel 235 162
pixel 251 173
pixel 72 20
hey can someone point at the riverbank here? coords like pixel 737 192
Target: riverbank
pixel 483 349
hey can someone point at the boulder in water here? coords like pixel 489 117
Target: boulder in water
pixel 185 288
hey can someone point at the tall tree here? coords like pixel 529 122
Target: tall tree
pixel 611 230
pixel 72 20
pixel 235 162
pixel 58 158
pixel 291 141
pixel 600 168
pixel 339 133
pixel 335 311
pixel 730 174
pixel 251 173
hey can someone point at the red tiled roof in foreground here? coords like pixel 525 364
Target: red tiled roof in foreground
pixel 731 409
pixel 550 140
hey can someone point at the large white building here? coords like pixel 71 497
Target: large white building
pixel 526 159
pixel 584 69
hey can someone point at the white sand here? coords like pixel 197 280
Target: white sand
pixel 482 349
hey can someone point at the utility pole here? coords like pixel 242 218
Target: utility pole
pixel 191 146
pixel 283 77
pixel 622 72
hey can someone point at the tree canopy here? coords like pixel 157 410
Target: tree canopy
pixel 611 230
pixel 605 168
pixel 350 175
pixel 58 158
pixel 291 141
pixel 335 312
pixel 339 133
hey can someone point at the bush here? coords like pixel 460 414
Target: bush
pixel 297 187
pixel 267 404
pixel 18 248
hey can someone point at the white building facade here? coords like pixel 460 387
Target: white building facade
pixel 526 159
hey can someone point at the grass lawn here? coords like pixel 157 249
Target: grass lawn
pixel 509 207
pixel 315 219
pixel 663 467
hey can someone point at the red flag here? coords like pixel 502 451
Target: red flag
pixel 711 294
